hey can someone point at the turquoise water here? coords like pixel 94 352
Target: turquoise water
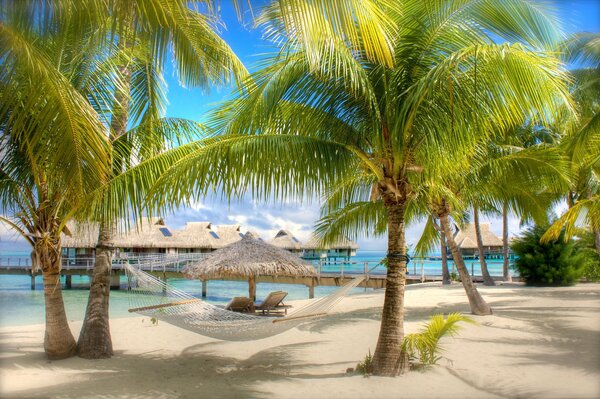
pixel 19 305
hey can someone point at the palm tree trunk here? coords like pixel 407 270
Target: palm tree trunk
pixel 444 251
pixel 95 341
pixel 505 260
pixel 389 359
pixel 478 305
pixel 487 279
pixel 59 342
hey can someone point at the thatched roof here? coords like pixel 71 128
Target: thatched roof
pixel 343 243
pixel 249 257
pixel 226 235
pixel 286 240
pixel 466 237
pixel 194 235
pixel 151 233
pixel 83 235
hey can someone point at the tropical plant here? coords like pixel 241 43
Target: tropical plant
pixel 360 127
pixel 367 131
pixel 550 263
pixel 54 150
pixel 366 366
pixel 425 344
pixel 144 37
pixel 582 141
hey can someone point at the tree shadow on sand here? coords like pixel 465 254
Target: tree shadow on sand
pixel 198 371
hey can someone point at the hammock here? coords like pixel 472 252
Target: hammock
pixel 152 297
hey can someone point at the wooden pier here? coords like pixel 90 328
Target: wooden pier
pixel 167 267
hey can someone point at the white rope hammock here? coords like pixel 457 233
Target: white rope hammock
pixel 152 297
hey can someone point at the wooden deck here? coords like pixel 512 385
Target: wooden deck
pixel 172 268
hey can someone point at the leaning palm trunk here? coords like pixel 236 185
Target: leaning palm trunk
pixel 505 262
pixel 444 250
pixel 487 279
pixel 59 342
pixel 94 339
pixel 478 305
pixel 389 359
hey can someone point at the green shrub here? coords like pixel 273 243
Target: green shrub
pixel 556 263
pixel 586 242
pixel 592 271
pixel 366 366
pixel 425 344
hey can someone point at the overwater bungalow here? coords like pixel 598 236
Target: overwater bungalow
pixel 153 237
pixel 286 240
pixel 466 239
pixel 343 248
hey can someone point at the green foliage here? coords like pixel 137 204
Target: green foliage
pixel 454 276
pixel 425 344
pixel 552 263
pixel 366 366
pixel 586 242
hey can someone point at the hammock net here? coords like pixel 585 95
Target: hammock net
pixel 153 297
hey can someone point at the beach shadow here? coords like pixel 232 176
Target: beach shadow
pixel 197 372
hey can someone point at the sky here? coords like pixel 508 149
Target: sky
pixel 299 218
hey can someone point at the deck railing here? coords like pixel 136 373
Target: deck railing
pixel 425 266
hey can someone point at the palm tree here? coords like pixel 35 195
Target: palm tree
pixel 487 278
pixel 145 36
pixel 54 151
pixel 300 127
pixel 202 58
pixel 582 141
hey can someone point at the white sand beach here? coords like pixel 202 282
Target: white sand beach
pixel 540 343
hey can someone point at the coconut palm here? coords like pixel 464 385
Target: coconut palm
pixel 201 58
pixel 299 129
pixel 582 141
pixel 54 151
pixel 495 174
pixel 148 36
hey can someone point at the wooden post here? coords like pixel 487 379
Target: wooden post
pixel 252 288
pixel 33 282
pixel 204 288
pixel 164 279
pixel 115 282
pixel 311 291
pixel 68 281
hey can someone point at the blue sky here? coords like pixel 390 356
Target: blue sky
pixel 577 15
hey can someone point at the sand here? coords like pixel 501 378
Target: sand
pixel 540 343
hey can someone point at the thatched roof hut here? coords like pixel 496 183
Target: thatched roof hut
pixel 195 235
pixel 151 233
pixel 342 243
pixel 249 257
pixel 226 235
pixel 83 235
pixel 286 240
pixel 466 238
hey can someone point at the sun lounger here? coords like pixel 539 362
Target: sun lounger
pixel 273 303
pixel 240 304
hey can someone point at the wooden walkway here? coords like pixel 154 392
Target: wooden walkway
pixel 168 267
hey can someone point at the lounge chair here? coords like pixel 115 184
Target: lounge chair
pixel 273 303
pixel 241 304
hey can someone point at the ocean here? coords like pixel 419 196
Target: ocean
pixel 19 305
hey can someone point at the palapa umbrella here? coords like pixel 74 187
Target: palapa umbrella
pixel 249 257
